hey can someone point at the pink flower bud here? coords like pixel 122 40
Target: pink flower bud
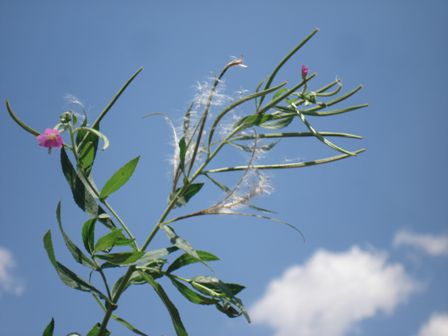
pixel 50 138
pixel 304 71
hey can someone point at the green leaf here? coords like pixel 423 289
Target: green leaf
pixel 87 143
pixel 77 254
pixel 82 194
pixel 277 123
pixel 151 256
pixel 190 294
pixel 96 330
pixel 180 242
pixel 119 178
pixel 111 239
pixel 97 133
pixel 121 258
pixel 49 329
pixel 186 259
pixel 174 313
pixel 88 234
pixel 67 276
pixel 128 325
pixel 187 194
pixel 280 92
pixel 212 284
pixel 253 120
pixel 228 309
pixel 220 185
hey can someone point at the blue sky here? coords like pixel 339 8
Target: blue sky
pixel 374 261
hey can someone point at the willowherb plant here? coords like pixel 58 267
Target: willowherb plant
pixel 199 140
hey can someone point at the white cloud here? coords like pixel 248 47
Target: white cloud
pixel 331 292
pixel 430 244
pixel 436 326
pixel 8 282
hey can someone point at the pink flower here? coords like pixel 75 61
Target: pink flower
pixel 50 138
pixel 304 71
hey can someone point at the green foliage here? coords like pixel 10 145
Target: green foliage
pixel 95 331
pixel 68 277
pixel 172 310
pixel 82 192
pixel 111 239
pixel 49 329
pixel 184 194
pixel 277 106
pixel 119 178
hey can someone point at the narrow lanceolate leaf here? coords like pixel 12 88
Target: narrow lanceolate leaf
pixel 86 149
pixel 174 313
pixel 88 235
pixel 125 323
pixel 277 123
pixel 319 136
pixel 77 254
pixel 119 178
pixel 49 330
pixel 186 259
pixel 111 239
pixel 98 134
pixel 253 120
pixel 121 258
pixel 95 331
pixel 82 193
pixel 220 185
pixel 215 285
pixel 152 256
pixel 190 294
pixel 67 276
pixel 187 194
pixel 180 242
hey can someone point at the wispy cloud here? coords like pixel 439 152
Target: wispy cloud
pixel 331 292
pixel 8 282
pixel 430 244
pixel 437 325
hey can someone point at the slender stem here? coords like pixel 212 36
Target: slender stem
pixel 293 135
pixel 113 305
pixel 286 165
pixel 74 148
pixel 106 284
pixel 284 60
pixel 122 223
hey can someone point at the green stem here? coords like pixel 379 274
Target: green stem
pixel 285 165
pixel 122 223
pixel 113 304
pixel 106 284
